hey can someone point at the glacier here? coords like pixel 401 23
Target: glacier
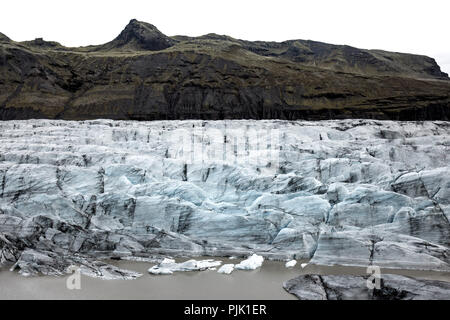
pixel 338 192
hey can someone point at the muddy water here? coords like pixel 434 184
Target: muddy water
pixel 263 283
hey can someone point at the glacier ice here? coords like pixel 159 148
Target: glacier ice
pixel 169 266
pixel 251 263
pixel 291 263
pixel 349 192
pixel 226 268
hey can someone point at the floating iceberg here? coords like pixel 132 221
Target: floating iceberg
pixel 291 264
pixel 251 263
pixel 226 269
pixel 169 266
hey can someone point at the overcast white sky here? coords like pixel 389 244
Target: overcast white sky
pixel 412 26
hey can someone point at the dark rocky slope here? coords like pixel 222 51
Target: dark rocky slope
pixel 143 74
pixel 350 287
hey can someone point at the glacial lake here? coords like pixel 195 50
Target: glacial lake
pixel 260 284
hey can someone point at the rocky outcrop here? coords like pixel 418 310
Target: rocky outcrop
pixel 348 192
pixel 343 58
pixel 347 287
pixel 145 75
pixel 139 36
pixel 4 39
pixel 41 44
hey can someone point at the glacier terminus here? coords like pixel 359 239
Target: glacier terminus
pixel 337 192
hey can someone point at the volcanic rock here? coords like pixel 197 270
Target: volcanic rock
pixel 348 287
pixel 145 75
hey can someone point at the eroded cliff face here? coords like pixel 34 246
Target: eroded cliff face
pixel 145 75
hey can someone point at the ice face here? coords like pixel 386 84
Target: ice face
pixel 352 192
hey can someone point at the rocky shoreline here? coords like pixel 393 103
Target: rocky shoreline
pixel 347 287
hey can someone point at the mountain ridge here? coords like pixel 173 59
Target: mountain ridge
pixel 143 74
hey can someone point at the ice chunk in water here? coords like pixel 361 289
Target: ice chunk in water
pixel 253 262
